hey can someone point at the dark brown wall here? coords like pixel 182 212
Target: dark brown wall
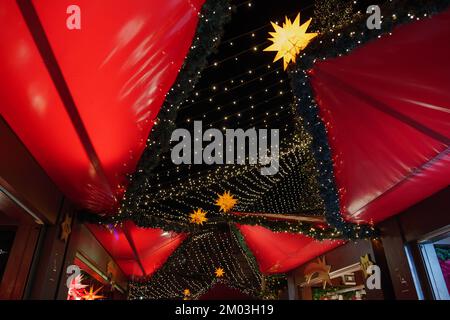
pixel 22 176
pixel 406 229
pixel 51 254
pixel 16 274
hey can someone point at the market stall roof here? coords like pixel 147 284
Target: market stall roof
pixel 387 113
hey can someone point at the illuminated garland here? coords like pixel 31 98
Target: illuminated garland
pixel 190 271
pixel 292 190
pixel 331 44
pixel 193 267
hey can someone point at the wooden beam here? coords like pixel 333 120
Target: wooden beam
pixel 291 217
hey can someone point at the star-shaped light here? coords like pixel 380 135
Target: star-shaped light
pixel 75 287
pixel 289 40
pixel 219 272
pixel 187 292
pixel 198 216
pixel 320 269
pixel 92 295
pixel 364 262
pixel 66 228
pixel 226 201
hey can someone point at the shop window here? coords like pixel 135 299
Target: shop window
pixel 91 283
pixel 7 235
pixel 435 253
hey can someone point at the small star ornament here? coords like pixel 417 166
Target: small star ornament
pixel 91 294
pixel 76 288
pixel 364 262
pixel 219 272
pixel 198 216
pixel 226 201
pixel 320 270
pixel 66 228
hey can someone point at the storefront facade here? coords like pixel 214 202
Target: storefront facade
pixel 408 268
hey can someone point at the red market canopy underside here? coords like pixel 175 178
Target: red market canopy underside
pixel 386 107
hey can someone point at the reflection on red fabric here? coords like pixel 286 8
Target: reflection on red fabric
pixel 137 251
pixel 386 108
pixel 118 68
pixel 281 252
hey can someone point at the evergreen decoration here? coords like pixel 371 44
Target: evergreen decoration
pixel 330 14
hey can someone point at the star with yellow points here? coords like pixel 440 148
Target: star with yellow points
pixel 92 295
pixel 364 262
pixel 198 216
pixel 66 228
pixel 226 201
pixel 187 292
pixel 289 40
pixel 219 272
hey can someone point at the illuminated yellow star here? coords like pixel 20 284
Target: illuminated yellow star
pixel 92 295
pixel 364 262
pixel 289 40
pixel 219 272
pixel 226 202
pixel 187 292
pixel 66 228
pixel 198 216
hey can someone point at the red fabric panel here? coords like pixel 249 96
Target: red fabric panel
pixel 281 252
pixel 153 246
pixel 386 108
pixel 32 107
pixel 116 243
pixel 118 67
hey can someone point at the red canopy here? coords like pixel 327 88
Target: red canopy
pixel 118 68
pixel 385 105
pixel 281 252
pixel 138 252
pixel 387 111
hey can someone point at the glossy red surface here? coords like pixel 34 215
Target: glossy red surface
pixel 386 108
pixel 133 247
pixel 32 107
pixel 118 68
pixel 281 252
